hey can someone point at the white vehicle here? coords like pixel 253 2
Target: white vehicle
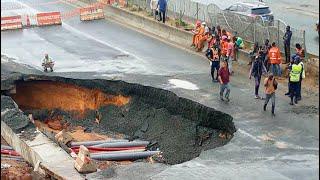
pixel 253 10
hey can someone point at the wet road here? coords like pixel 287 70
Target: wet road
pixel 284 147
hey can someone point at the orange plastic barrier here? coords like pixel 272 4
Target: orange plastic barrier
pixel 91 13
pixel 11 22
pixel 50 18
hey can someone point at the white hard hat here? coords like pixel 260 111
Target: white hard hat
pixel 203 23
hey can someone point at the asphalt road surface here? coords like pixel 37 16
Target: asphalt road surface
pixel 284 147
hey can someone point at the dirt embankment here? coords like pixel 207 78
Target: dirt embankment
pixel 179 127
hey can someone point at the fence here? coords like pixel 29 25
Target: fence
pixel 249 28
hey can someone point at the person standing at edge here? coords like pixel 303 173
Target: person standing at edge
pixel 224 76
pixel 287 39
pixel 294 79
pixel 153 6
pixel 230 54
pixel 257 69
pixel 275 60
pixel 270 85
pixel 162 4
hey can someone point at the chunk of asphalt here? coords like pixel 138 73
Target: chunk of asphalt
pixel 144 127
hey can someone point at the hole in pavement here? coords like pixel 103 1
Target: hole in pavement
pixel 179 127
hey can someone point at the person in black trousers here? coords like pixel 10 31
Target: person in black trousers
pixel 287 38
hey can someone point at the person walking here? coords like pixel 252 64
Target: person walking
pixel 224 78
pixel 162 5
pixel 257 70
pixel 270 85
pixel 294 78
pixel 266 48
pixel 302 76
pixel 215 63
pixel 254 52
pixel 287 39
pixel 230 55
pixel 275 60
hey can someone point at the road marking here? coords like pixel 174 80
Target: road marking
pixel 70 28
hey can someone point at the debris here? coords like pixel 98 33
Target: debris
pixel 63 137
pixel 5 166
pixel 83 163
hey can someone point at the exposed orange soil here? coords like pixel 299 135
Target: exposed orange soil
pixel 72 98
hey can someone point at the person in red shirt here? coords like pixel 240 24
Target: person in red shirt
pixel 224 78
pixel 275 60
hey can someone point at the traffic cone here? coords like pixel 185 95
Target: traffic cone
pixel 28 21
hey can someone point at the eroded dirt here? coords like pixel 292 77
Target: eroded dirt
pixel 180 128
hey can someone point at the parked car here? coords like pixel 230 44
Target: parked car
pixel 253 10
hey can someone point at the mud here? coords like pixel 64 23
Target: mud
pixel 179 127
pixel 18 169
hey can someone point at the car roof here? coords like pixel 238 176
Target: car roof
pixel 254 5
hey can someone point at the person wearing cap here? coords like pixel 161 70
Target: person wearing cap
pixel 203 37
pixel 195 32
pixel 294 78
pixel 287 39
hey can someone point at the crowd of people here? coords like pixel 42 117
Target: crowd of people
pixel 222 50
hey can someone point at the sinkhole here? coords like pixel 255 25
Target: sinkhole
pixel 179 127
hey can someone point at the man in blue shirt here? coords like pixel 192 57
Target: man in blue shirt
pixel 287 39
pixel 162 5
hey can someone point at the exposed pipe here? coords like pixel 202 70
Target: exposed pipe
pixel 92 143
pixel 123 156
pixel 10 152
pixel 6 147
pixel 110 149
pixel 122 144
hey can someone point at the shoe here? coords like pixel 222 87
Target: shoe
pixel 192 45
pixel 273 115
pixel 257 97
pixel 265 107
pixel 287 94
pixel 291 103
pixel 221 98
pixel 296 101
pixel 227 99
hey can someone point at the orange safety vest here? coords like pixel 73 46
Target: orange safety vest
pixel 224 47
pixel 274 55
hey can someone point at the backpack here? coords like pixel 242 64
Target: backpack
pixel 275 84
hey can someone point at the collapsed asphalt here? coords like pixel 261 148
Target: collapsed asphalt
pixel 179 127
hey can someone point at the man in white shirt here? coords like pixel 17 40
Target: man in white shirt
pixel 154 7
